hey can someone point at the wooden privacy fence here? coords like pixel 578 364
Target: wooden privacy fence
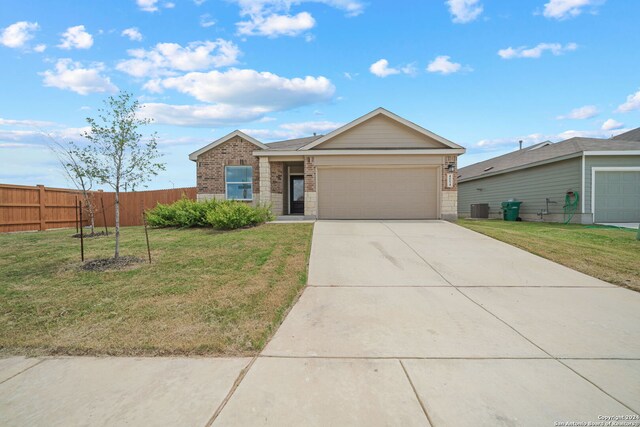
pixel 27 208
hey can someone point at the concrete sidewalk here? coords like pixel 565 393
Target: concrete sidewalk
pixel 403 323
pixel 114 391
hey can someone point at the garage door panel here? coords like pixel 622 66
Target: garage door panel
pixel 617 196
pixel 377 193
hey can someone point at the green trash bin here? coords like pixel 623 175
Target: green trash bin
pixel 511 210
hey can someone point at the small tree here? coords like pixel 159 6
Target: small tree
pixel 116 154
pixel 77 172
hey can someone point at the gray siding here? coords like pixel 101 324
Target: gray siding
pixel 531 186
pixel 603 161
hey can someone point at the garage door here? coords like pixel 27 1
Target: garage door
pixel 378 193
pixel 617 196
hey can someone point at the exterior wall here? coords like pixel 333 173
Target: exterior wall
pixel 449 205
pixel 210 167
pixel 449 195
pixel 264 176
pixel 310 195
pixel 277 176
pixel 380 132
pixel 531 186
pixel 603 161
pixel 395 159
pixel 276 204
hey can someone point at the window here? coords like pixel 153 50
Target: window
pixel 239 182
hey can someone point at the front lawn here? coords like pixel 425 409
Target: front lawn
pixel 610 254
pixel 206 292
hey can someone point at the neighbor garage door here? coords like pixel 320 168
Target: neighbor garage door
pixel 617 196
pixel 377 192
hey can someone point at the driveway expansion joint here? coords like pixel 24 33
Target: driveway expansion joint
pixel 22 371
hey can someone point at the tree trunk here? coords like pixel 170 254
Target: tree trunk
pixel 117 207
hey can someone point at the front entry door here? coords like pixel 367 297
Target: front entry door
pixel 296 194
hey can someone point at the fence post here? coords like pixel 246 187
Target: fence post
pixel 43 222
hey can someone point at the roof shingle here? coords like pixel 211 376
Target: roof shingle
pixel 538 153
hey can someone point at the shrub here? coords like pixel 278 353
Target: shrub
pixel 223 215
pixel 229 215
pixel 183 213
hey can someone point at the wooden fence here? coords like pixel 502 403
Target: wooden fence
pixel 27 208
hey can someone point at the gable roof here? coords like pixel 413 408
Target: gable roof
pixel 538 153
pixel 376 112
pixel 632 135
pixel 236 133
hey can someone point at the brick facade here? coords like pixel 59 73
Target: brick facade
pixel 277 175
pixel 210 165
pixel 309 174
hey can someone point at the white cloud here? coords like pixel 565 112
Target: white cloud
pixel 133 33
pixel 148 5
pixel 40 48
pixel 563 9
pixel 18 34
pixel 25 123
pixel 167 58
pixel 272 18
pixel 252 88
pixel 73 76
pixel 632 103
pixel 207 21
pixel 464 11
pixel 277 25
pixel 381 68
pixel 443 65
pixel 294 130
pixel 611 124
pixel 199 2
pixel 537 51
pixel 586 112
pixel 200 115
pixel 235 96
pixel 76 38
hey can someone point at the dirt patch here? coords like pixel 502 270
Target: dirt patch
pixel 89 235
pixel 103 264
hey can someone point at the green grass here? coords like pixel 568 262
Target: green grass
pixel 610 254
pixel 206 292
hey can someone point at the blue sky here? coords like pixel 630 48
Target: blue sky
pixel 482 73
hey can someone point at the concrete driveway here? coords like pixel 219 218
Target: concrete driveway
pixel 427 323
pixel 402 324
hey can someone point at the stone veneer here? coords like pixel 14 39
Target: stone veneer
pixel 449 205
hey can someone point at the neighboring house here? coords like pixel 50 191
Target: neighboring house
pixel 605 173
pixel 379 166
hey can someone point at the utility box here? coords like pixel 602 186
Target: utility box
pixel 480 210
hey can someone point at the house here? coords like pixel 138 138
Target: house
pixel 379 166
pixel 603 174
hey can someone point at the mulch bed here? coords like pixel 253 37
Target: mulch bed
pixel 103 264
pixel 89 235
